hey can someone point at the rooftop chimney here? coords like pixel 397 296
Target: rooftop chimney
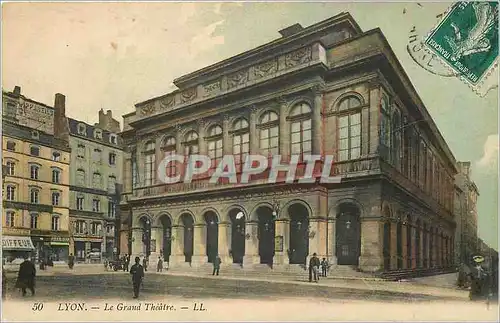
pixel 293 29
pixel 17 90
pixel 61 127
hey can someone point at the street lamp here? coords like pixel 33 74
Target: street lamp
pixel 348 224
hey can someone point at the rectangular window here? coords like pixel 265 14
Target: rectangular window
pixel 349 137
pixel 10 219
pixel 149 170
pixel 79 203
pixel 55 198
pixel 11 146
pixel 80 227
pixel 96 205
pixel 56 176
pixel 112 158
pixel 34 151
pixel 34 172
pixel 55 223
pixel 34 221
pixel 111 209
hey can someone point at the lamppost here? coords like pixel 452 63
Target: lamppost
pixel 146 236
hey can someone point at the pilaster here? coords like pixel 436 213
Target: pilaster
pixel 282 229
pixel 332 242
pixel 177 252
pixel 284 131
pixel 254 136
pixel 251 244
pixel 404 253
pixel 199 244
pixel 371 258
pixel 224 242
pixel 317 121
pixel 394 247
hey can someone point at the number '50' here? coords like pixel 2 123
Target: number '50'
pixel 37 307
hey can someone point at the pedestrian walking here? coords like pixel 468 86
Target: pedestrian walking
pixel 71 261
pixel 145 263
pixel 324 267
pixel 137 272
pixel 159 266
pixel 26 277
pixel 313 268
pixel 478 276
pixel 217 262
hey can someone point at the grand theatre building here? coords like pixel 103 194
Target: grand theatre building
pixel 328 89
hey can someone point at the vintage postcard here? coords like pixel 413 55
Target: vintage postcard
pixel 249 161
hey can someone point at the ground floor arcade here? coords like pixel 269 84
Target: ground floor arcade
pixel 369 235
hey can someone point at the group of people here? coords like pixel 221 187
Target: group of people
pixel 481 281
pixel 315 265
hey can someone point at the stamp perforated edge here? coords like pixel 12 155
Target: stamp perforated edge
pixel 481 87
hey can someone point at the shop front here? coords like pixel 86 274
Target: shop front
pixel 79 251
pixel 59 248
pixel 16 248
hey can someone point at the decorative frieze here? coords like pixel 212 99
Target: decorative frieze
pixel 237 79
pixel 148 109
pixel 212 88
pixel 188 95
pixel 298 57
pixel 266 69
pixel 167 102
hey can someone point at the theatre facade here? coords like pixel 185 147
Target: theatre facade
pixel 328 89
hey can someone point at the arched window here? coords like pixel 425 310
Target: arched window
pixel 300 132
pixel 11 168
pixel 56 175
pixel 215 149
pixel 34 171
pixel 269 133
pixel 34 196
pixel 349 128
pixel 396 139
pixel 10 219
pixel 169 148
pixel 191 145
pixel 149 163
pixel 241 142
pixel 385 127
pixel 11 192
pixel 56 198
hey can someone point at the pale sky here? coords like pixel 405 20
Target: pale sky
pixel 114 55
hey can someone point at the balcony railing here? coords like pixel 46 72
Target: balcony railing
pixel 344 169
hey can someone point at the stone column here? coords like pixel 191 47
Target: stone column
pixel 201 137
pixel 282 229
pixel 177 252
pixel 394 245
pixel 284 139
pixel 199 244
pixel 372 234
pixel 317 237
pixel 317 121
pixel 137 244
pixel 157 235
pixel 414 247
pixel 428 251
pixel 332 242
pixel 159 154
pixel 421 248
pixel 374 117
pixel 227 145
pixel 404 244
pixel 254 135
pixel 224 243
pixel 251 244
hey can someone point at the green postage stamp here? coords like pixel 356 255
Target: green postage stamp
pixel 466 40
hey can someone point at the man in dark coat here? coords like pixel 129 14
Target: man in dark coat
pixel 314 264
pixel 217 262
pixel 26 277
pixel 137 272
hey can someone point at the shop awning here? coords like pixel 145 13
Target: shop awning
pixel 58 243
pixel 17 243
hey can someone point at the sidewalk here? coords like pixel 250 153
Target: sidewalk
pixel 408 287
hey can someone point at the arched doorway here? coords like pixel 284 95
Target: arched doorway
pixel 348 234
pixel 166 237
pixel 237 218
pixel 299 234
pixel 146 235
pixel 188 223
pixel 399 244
pixel 265 232
pixel 212 236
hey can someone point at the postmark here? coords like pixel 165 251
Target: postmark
pixel 466 42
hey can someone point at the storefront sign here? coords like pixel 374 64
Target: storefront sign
pixel 17 243
pixel 59 239
pixel 278 244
